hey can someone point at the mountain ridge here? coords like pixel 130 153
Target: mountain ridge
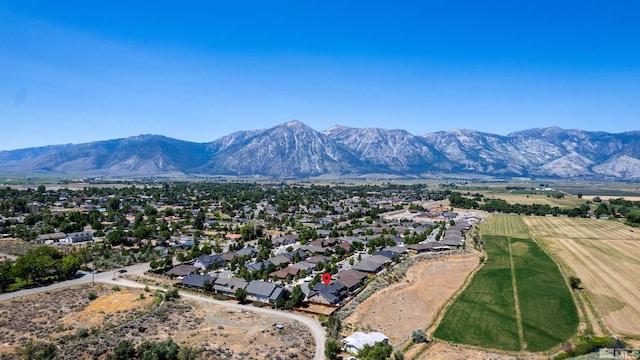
pixel 294 150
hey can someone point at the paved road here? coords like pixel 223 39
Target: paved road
pixel 100 277
pixel 112 277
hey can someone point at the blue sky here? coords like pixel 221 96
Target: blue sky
pixel 79 71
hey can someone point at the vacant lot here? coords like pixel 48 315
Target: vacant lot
pixel 15 246
pixel 605 254
pixel 413 303
pixel 55 317
pixel 517 301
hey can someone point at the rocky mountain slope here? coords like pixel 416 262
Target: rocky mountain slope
pixel 294 150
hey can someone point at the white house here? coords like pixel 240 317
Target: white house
pixel 358 340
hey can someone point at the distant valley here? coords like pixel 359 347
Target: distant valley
pixel 294 150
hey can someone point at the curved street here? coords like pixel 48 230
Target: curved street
pixel 112 277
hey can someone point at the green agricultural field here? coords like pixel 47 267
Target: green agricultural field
pixel 549 315
pixel 505 225
pixel 538 315
pixel 484 314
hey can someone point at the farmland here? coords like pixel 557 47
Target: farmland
pixel 505 225
pixel 517 301
pixel 605 255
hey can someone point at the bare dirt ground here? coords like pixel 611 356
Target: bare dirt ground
pixel 413 304
pixel 605 255
pixel 117 315
pixel 14 246
pixel 445 351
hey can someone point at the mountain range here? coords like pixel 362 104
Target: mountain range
pixel 294 150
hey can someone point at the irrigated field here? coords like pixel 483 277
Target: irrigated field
pixel 517 301
pixel 605 255
pixel 505 225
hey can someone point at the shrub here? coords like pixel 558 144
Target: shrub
pixel 82 332
pixel 116 288
pixel 575 282
pixel 171 294
pixel 419 336
pixel 92 295
pixel 331 349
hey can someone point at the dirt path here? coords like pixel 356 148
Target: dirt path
pixel 314 326
pixel 110 278
pixel 414 302
pixel 446 351
pixel 514 285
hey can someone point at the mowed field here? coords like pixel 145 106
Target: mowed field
pixel 504 225
pixel 569 201
pixel 605 255
pixel 517 301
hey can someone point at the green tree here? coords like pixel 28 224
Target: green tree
pixel 379 351
pixel 125 350
pixel 241 295
pixel 331 349
pixel 419 336
pixel 70 265
pixel 334 326
pixel 188 352
pixel 113 204
pixel 575 282
pixel 117 237
pixel 165 350
pixel 6 274
pixel 207 286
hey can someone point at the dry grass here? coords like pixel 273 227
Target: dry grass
pixel 605 255
pixel 15 246
pixel 414 302
pixel 569 201
pixel 446 351
pixel 118 315
pixel 504 225
pixel 117 302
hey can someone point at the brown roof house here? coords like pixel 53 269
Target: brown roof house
pixel 351 279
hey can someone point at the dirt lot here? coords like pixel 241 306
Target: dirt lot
pixel 116 315
pixel 14 246
pixel 445 351
pixel 413 304
pixel 605 255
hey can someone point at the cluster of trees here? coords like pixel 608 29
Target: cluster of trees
pixel 164 350
pixel 627 208
pixel 332 345
pixel 499 205
pixel 39 264
pixel 379 351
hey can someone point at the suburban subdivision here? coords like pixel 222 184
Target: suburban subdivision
pixel 267 270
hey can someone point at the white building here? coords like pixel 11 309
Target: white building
pixel 358 340
pixel 78 237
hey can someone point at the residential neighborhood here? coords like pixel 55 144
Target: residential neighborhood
pixel 267 244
